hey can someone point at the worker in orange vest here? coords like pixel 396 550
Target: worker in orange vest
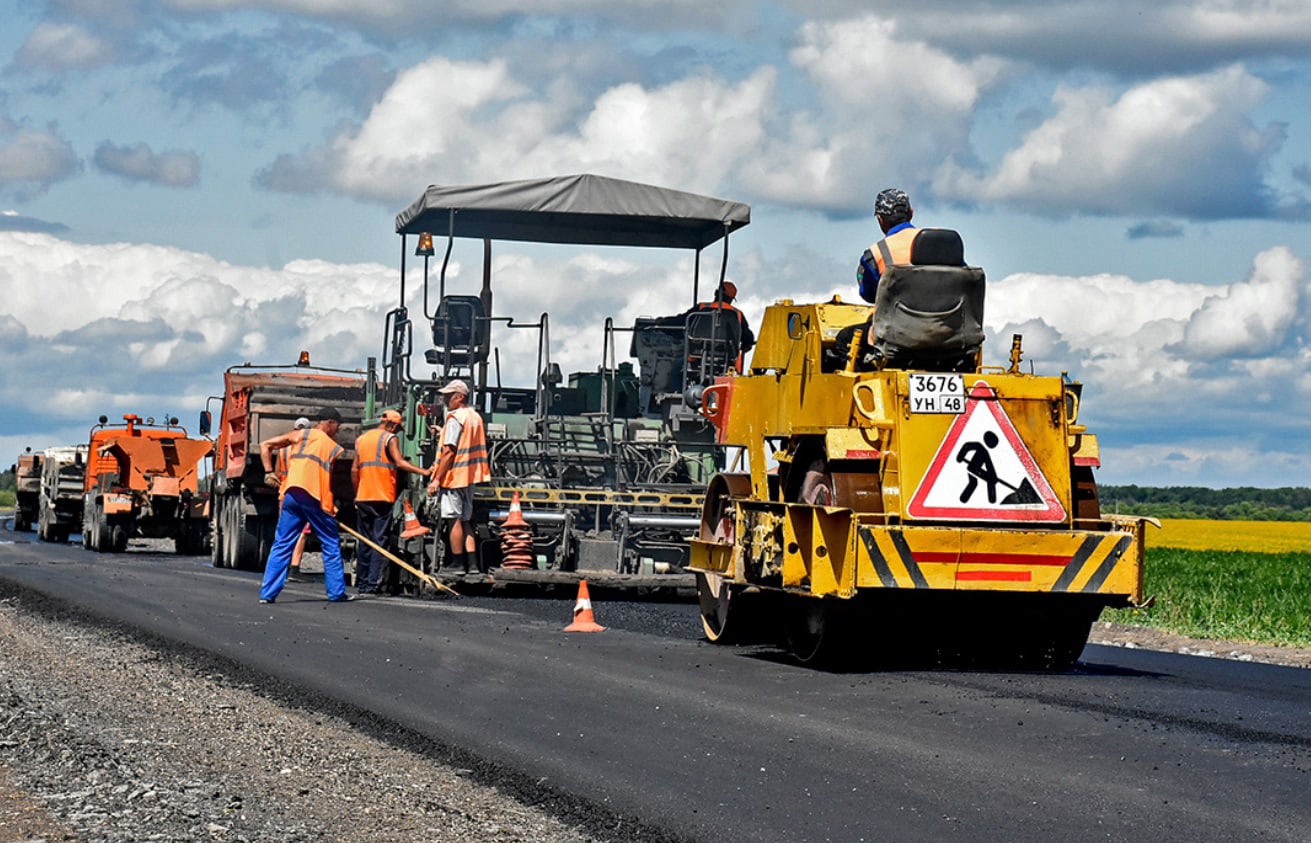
pixel 893 211
pixel 377 459
pixel 306 499
pixel 461 464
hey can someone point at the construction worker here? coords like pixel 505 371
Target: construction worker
pixel 461 464
pixel 306 498
pixel 377 459
pixel 724 296
pixel 893 211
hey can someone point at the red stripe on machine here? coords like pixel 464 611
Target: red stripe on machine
pixel 997 576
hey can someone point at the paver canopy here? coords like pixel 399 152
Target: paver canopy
pixel 582 209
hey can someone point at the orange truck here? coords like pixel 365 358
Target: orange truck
pixel 260 402
pixel 142 480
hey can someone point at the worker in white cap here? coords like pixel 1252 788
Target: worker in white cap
pixel 461 464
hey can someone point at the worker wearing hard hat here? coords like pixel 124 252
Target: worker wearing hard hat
pixel 724 296
pixel 377 459
pixel 461 464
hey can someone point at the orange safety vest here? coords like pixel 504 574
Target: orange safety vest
pixel 309 466
pixel 470 464
pixel 377 471
pixel 894 249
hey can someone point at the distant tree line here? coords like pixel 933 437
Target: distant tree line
pixel 1244 503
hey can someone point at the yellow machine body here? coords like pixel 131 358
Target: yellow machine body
pixel 897 480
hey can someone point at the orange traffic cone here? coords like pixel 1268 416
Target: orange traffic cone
pixel 517 540
pixel 413 528
pixel 583 619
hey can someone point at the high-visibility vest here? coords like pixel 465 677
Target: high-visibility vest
pixel 470 464
pixel 894 250
pixel 309 466
pixel 377 471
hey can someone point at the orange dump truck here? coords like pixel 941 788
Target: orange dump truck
pixel 142 480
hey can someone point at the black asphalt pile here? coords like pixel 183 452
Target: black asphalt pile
pixel 118 741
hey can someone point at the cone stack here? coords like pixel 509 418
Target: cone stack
pixel 517 539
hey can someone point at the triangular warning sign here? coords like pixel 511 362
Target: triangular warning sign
pixel 983 471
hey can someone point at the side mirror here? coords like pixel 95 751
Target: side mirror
pixel 206 422
pixel 795 326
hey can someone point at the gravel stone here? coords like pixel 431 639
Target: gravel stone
pixel 106 739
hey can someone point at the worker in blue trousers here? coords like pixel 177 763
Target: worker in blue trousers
pixel 306 499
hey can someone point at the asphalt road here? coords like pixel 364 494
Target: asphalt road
pixel 713 743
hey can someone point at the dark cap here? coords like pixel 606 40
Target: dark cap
pixel 892 203
pixel 329 414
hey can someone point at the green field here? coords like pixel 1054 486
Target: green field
pixel 1238 595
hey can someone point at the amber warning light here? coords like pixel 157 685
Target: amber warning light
pixel 424 249
pixel 304 359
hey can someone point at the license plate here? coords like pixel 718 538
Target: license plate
pixel 936 393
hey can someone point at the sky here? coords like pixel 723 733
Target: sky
pixel 186 185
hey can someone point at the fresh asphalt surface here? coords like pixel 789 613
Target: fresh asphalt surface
pixel 648 721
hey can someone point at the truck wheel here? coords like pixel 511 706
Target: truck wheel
pixel 118 534
pixel 102 538
pixel 216 535
pixel 243 537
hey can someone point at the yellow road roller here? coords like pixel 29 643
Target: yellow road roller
pixel 895 499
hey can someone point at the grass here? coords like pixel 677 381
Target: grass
pixel 1229 594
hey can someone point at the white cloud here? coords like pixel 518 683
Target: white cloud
pixel 33 159
pixel 1120 36
pixel 421 14
pixel 1168 361
pixel 1254 319
pixel 57 47
pixel 468 122
pixel 886 108
pixel 171 168
pixel 1183 146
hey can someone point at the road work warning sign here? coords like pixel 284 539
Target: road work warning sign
pixel 983 471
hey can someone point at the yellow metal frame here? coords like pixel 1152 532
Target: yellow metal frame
pixel 865 418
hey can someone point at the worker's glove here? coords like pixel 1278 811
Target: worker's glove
pixel 272 479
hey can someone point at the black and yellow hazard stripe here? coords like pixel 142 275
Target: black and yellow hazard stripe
pixel 1084 571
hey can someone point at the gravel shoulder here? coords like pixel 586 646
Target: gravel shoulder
pixel 1146 638
pixel 106 739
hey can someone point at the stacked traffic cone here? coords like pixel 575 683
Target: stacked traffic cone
pixel 583 618
pixel 413 528
pixel 517 539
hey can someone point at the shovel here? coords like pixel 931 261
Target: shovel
pixel 393 557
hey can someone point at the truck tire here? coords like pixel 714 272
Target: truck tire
pixel 101 533
pixel 216 548
pixel 241 535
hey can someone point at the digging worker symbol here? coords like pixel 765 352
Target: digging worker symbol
pixel 978 463
pixel 377 459
pixel 979 466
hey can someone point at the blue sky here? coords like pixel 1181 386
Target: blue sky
pixel 189 184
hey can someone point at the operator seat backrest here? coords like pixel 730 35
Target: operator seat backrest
pixel 458 332
pixel 930 315
pixel 714 338
pixel 937 247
